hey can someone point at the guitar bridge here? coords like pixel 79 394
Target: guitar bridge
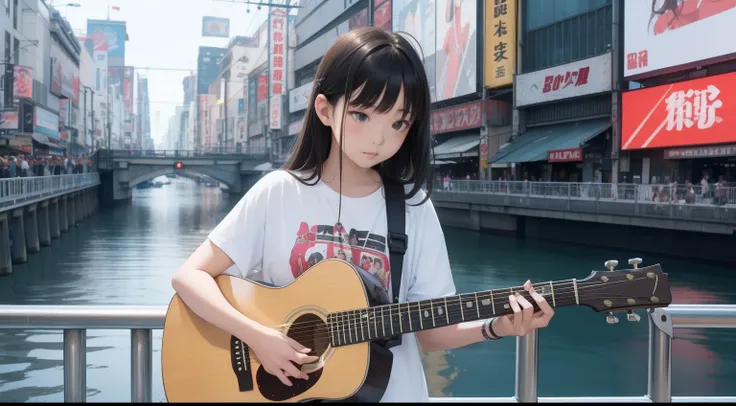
pixel 240 360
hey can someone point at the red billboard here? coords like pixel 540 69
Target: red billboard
pixel 693 112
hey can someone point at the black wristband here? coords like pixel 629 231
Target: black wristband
pixel 489 324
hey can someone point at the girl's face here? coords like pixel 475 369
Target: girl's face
pixel 370 137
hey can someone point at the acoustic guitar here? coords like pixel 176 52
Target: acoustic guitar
pixel 338 311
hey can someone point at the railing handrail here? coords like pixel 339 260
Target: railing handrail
pixel 75 320
pixel 127 317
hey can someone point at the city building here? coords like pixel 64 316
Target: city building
pixel 208 69
pixel 676 111
pixel 563 128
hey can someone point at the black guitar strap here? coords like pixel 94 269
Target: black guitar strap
pixel 397 239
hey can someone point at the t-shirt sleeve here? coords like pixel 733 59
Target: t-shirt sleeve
pixel 431 276
pixel 241 233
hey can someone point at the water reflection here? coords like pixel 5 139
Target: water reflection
pixel 128 255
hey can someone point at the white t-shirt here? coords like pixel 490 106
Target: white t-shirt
pixel 262 233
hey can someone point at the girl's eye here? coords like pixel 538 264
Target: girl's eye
pixel 358 116
pixel 400 125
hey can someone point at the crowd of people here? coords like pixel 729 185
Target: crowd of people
pixel 21 166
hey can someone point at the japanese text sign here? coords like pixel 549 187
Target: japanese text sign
pixel 500 33
pixel 589 76
pixel 456 118
pixel 701 152
pixel 277 52
pixel 693 112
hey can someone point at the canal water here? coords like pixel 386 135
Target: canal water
pixel 128 255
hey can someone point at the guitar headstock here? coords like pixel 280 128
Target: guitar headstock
pixel 628 289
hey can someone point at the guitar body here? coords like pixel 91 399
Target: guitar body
pixel 202 363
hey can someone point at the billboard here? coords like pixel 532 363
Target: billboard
pixel 579 78
pixel 455 48
pixel 500 52
pixel 108 33
pixel 693 112
pixel 663 34
pixel 22 82
pixel 382 14
pixel 417 19
pixel 215 27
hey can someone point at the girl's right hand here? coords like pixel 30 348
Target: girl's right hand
pixel 276 351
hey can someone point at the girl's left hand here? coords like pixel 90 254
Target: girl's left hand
pixel 524 319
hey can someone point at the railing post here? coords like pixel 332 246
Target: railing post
pixel 75 365
pixel 141 367
pixel 527 358
pixel 659 387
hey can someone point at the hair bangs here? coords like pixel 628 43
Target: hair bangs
pixel 380 78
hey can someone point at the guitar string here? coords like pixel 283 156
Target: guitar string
pixel 353 315
pixel 350 321
pixel 348 333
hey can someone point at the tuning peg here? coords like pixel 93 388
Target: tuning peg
pixel 611 319
pixel 635 262
pixel 610 264
pixel 631 316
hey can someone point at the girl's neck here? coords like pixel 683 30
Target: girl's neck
pixel 356 181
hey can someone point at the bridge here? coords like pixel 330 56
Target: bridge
pixel 122 170
pixel 627 216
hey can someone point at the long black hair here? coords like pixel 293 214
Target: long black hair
pixel 378 63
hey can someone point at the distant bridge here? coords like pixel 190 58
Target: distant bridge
pixel 121 170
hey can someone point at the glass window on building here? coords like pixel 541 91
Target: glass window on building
pixel 545 12
pixel 562 31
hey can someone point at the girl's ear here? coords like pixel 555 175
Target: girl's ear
pixel 323 109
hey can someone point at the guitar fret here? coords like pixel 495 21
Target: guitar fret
pixel 477 305
pixel 462 304
pixel 344 340
pixel 356 320
pixel 431 306
pixel 493 303
pixel 575 285
pixel 552 289
pixel 447 313
pixel 375 322
pixel 401 324
pixel 350 331
pixel 421 323
pixel 390 320
pixel 362 334
pixel 408 314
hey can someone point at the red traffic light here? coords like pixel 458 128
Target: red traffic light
pixel 178 165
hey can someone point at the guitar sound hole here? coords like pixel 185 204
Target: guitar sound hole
pixel 310 331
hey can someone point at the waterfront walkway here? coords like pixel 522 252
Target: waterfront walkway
pixel 659 206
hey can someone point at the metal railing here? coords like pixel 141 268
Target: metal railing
pixel 214 152
pixel 141 320
pixel 665 200
pixel 19 190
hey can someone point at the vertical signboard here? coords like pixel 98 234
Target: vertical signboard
pixel 128 74
pixel 500 52
pixel 22 82
pixel 276 66
pixel 455 48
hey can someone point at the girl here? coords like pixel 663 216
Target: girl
pixel 368 117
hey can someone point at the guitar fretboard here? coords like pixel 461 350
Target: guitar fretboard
pixel 382 322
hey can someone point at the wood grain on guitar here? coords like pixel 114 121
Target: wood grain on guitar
pixel 333 309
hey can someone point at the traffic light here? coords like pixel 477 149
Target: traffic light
pixel 178 165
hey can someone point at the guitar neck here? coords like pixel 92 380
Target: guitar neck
pixel 382 322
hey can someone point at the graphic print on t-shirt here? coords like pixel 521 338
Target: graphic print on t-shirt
pixel 367 251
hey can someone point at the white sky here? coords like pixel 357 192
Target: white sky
pixel 164 34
